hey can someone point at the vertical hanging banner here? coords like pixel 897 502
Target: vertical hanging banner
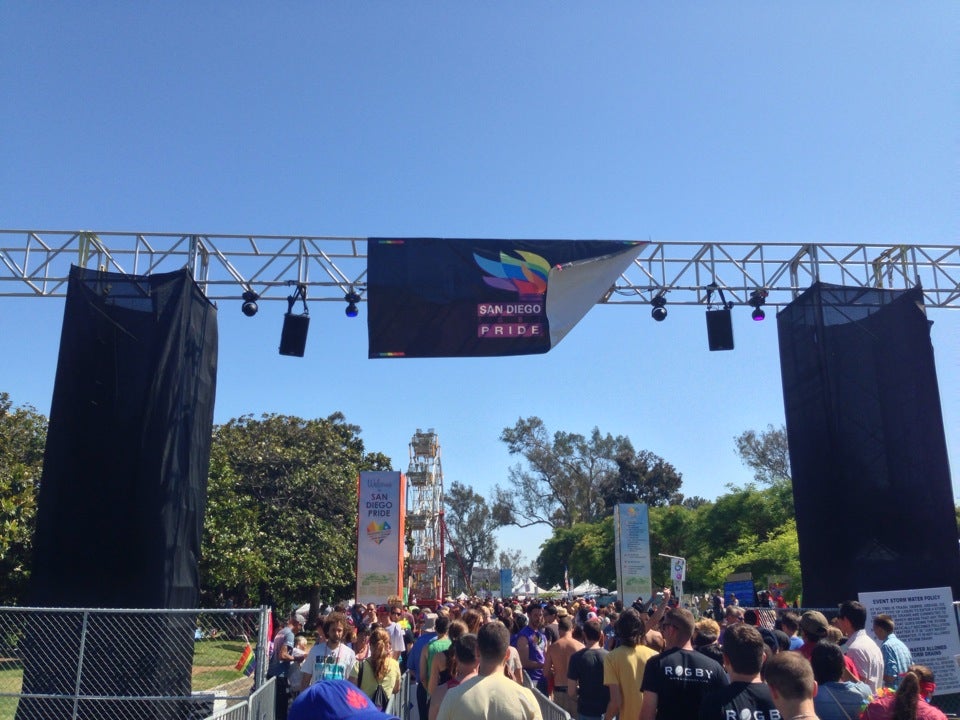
pixel 380 536
pixel 506 582
pixel 631 527
pixel 438 297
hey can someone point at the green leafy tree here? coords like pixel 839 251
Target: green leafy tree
pixel 694 502
pixel 767 453
pixel 643 477
pixel 281 520
pixel 23 434
pixel 586 550
pixel 471 526
pixel 778 554
pixel 747 514
pixel 674 530
pixel 593 556
pixel 556 551
pixel 562 480
pixel 514 560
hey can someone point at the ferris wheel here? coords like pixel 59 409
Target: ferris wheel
pixel 425 519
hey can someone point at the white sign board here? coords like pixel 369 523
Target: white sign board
pixel 926 622
pixel 631 527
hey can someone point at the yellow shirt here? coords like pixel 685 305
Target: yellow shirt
pixel 369 683
pixel 623 667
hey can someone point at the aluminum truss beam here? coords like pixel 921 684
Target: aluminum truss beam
pixel 36 263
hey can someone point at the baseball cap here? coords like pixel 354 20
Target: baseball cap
pixel 335 700
pixel 815 623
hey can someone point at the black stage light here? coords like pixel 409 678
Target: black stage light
pixel 757 298
pixel 250 303
pixel 352 299
pixel 659 312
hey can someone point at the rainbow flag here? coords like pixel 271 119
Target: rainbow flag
pixel 245 663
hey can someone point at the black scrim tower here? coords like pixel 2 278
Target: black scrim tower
pixel 123 492
pixel 871 479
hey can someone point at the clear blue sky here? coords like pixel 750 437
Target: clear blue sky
pixel 747 121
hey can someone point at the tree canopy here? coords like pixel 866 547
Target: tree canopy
pixel 583 552
pixel 746 529
pixel 643 477
pixel 471 526
pixel 767 453
pixel 281 517
pixel 23 434
pixel 568 478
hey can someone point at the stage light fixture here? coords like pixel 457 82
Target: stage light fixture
pixel 352 299
pixel 757 299
pixel 659 312
pixel 250 303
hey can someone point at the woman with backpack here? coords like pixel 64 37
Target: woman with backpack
pixel 379 675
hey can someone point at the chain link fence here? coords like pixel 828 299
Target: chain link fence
pixel 260 706
pixel 99 664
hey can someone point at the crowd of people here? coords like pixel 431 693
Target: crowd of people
pixel 474 660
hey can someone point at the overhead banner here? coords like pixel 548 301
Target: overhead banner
pixel 438 297
pixel 631 527
pixel 380 536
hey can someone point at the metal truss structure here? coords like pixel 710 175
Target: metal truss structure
pixel 426 578
pixel 36 263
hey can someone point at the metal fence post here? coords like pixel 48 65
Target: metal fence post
pixel 83 642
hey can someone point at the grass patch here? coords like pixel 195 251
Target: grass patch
pixel 11 678
pixel 8 708
pixel 209 679
pixel 217 652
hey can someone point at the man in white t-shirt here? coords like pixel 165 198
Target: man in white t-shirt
pixel 389 617
pixel 330 660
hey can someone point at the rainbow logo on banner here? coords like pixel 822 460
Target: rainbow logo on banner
pixel 378 532
pixel 528 276
pixel 461 297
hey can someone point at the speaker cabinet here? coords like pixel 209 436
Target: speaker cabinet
pixel 293 338
pixel 720 329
